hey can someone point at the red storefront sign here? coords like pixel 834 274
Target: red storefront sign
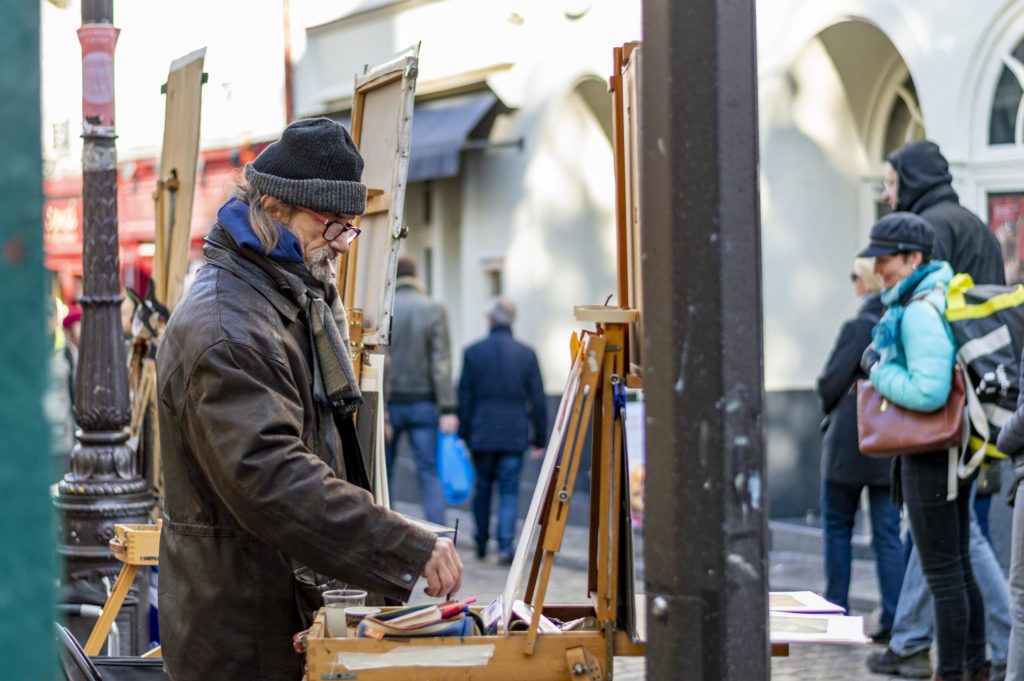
pixel 136 184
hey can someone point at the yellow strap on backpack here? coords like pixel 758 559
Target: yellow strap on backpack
pixel 957 307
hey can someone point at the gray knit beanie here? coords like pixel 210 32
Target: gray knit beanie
pixel 315 165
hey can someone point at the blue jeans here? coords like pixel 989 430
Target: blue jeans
pixel 839 507
pixel 914 625
pixel 419 420
pixel 982 504
pixel 502 468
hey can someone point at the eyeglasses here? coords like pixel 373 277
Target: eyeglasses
pixel 334 229
pixel 854 277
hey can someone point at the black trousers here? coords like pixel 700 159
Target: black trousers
pixel 941 530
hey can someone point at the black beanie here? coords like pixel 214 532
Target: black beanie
pixel 315 165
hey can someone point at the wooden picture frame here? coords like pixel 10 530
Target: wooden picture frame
pixel 382 111
pixel 625 89
pixel 179 157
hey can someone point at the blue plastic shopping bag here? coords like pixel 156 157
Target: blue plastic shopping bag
pixel 454 468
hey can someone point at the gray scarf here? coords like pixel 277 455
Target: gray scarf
pixel 334 378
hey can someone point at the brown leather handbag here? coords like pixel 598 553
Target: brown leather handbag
pixel 886 429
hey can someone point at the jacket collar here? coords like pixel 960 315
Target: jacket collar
pixel 234 217
pixel 410 282
pixel 500 328
pixel 221 250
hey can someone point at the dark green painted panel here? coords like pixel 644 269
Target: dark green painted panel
pixel 27 539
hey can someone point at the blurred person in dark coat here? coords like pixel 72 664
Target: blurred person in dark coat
pixel 845 472
pixel 502 411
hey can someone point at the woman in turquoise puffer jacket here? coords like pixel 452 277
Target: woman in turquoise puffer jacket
pixel 911 364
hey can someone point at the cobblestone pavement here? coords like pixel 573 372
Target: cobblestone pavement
pixel 485 580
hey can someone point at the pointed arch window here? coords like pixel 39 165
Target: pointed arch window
pixel 905 124
pixel 1006 124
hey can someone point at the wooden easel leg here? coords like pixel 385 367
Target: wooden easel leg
pixel 110 609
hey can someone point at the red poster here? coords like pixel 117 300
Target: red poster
pixel 1005 217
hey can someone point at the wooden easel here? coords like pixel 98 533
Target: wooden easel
pixel 135 546
pixel 593 396
pixel 600 360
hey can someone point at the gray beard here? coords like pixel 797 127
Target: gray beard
pixel 321 265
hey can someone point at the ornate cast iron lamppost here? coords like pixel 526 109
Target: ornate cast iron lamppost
pixel 104 486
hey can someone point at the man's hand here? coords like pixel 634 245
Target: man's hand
pixel 537 452
pixel 449 423
pixel 444 570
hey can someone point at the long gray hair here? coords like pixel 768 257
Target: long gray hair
pixel 264 222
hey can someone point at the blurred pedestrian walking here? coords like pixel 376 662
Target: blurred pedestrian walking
pixel 502 411
pixel 845 472
pixel 420 394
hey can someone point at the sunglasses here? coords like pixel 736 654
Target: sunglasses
pixel 334 229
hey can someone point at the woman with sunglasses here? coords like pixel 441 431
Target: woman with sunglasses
pixel 910 362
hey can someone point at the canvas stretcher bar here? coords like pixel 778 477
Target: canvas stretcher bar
pixel 382 111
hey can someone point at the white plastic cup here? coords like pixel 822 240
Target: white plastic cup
pixel 335 603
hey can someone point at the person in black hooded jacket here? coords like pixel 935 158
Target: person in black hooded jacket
pixel 917 180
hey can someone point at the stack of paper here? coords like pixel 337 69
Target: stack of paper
pixel 801 601
pixel 806 617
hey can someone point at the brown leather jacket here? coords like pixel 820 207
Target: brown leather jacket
pixel 248 486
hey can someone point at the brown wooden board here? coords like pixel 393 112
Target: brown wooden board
pixel 178 160
pixel 625 86
pixel 495 658
pixel 382 129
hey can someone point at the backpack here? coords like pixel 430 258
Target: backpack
pixel 987 322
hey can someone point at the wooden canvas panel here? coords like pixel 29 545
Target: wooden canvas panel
pixel 178 157
pixel 579 387
pixel 382 129
pixel 631 149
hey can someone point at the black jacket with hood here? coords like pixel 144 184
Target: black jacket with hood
pixel 961 238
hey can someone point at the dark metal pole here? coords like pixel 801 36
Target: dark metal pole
pixel 104 486
pixel 706 556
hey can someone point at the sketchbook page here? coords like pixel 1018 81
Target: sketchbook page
pixel 788 627
pixel 528 535
pixel 801 601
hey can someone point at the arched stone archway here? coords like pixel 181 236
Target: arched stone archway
pixel 827 122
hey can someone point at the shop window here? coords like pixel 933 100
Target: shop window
pixel 1005 125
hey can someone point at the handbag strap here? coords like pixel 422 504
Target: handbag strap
pixel 965 463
